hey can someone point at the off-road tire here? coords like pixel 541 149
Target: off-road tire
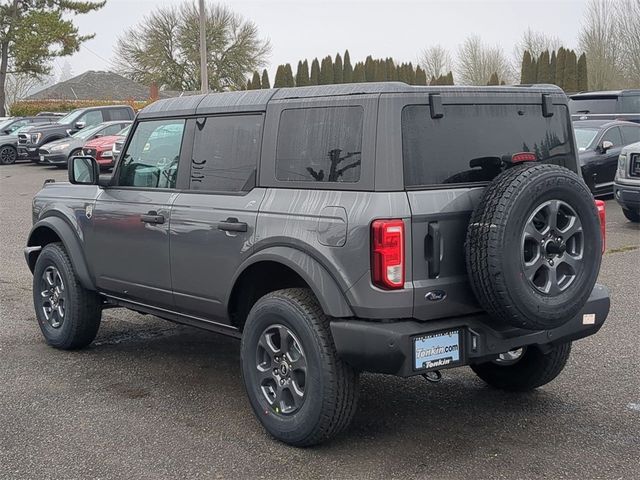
pixel 8 155
pixel 493 246
pixel 533 370
pixel 631 215
pixel 331 386
pixel 82 307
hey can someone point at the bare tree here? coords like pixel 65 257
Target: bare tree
pixel 164 49
pixel 18 86
pixel 435 61
pixel 599 39
pixel 535 43
pixel 628 19
pixel 477 62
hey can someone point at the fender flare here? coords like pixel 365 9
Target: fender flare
pixel 323 285
pixel 71 244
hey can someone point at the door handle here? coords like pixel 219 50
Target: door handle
pixel 232 224
pixel 433 249
pixel 152 217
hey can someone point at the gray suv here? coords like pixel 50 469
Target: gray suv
pixel 334 230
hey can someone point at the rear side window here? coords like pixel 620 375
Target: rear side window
pixel 630 134
pixel 119 114
pixel 225 153
pixel 320 144
pixel 467 144
pixel 92 117
pixel 593 105
pixel 630 104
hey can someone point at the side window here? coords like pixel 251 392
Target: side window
pixel 93 117
pixel 321 144
pixel 630 134
pixel 225 153
pixel 151 159
pixel 612 135
pixel 15 126
pixel 119 114
pixel 111 129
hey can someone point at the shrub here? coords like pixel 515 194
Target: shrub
pixel 28 108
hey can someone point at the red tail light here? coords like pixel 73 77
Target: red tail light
pixel 602 214
pixel 387 253
pixel 523 157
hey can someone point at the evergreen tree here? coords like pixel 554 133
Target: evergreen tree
pixel 449 79
pixel 583 84
pixel 288 76
pixel 359 75
pixel 302 74
pixel 543 68
pixel 347 70
pixel 421 76
pixel 337 70
pixel 380 74
pixel 525 69
pixel 493 80
pixel 553 65
pixel 265 79
pixel 249 86
pixel 369 69
pixel 534 70
pixel 390 69
pixel 570 81
pixel 255 81
pixel 314 78
pixel 326 71
pixel 560 60
pixel 412 73
pixel 280 80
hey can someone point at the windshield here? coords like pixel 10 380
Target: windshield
pixel 71 116
pixel 87 132
pixel 584 137
pixel 125 131
pixel 22 129
pixel 5 124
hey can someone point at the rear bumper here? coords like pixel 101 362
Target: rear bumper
pixel 628 196
pixel 387 347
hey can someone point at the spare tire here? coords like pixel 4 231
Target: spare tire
pixel 533 246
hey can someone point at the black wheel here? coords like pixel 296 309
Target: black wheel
pixel 68 314
pixel 524 368
pixel 8 155
pixel 299 389
pixel 632 216
pixel 533 246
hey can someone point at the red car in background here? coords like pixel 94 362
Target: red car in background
pixel 102 148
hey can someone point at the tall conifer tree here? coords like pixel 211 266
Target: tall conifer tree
pixel 314 78
pixel 347 70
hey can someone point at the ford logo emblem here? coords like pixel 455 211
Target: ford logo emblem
pixel 436 295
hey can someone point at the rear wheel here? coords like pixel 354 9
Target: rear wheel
pixel 632 215
pixel 68 314
pixel 299 389
pixel 8 155
pixel 524 368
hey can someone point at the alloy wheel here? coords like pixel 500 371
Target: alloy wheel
pixel 53 295
pixel 7 155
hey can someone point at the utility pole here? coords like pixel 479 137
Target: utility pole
pixel 204 75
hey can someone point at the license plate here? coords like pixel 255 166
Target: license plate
pixel 42 158
pixel 437 350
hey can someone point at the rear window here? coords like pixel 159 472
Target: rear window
pixel 630 104
pixel 467 144
pixel 593 105
pixel 320 144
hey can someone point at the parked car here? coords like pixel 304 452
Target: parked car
pixel 336 229
pixel 627 182
pixel 609 105
pixel 60 151
pixel 73 122
pixel 9 135
pixel 599 145
pixel 102 148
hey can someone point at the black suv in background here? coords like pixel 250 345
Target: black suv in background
pixel 9 138
pixel 29 143
pixel 609 105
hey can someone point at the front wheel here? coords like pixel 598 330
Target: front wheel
pixel 8 155
pixel 632 215
pixel 524 368
pixel 298 387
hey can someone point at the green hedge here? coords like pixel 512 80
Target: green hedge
pixel 33 107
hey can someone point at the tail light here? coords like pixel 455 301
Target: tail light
pixel 602 214
pixel 523 157
pixel 387 253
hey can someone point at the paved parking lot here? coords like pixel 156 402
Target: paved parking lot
pixel 150 399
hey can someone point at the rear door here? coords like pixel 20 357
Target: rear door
pixel 450 153
pixel 213 222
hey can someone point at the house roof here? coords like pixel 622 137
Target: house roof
pixel 95 85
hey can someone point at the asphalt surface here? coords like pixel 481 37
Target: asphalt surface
pixel 150 399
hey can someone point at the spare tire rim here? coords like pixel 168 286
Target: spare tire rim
pixel 282 369
pixel 552 247
pixel 53 295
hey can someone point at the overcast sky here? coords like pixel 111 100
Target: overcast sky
pixel 307 28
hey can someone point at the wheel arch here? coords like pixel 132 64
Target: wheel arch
pixel 285 267
pixel 55 229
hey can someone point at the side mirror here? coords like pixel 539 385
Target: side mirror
pixel 606 145
pixel 83 171
pixel 80 125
